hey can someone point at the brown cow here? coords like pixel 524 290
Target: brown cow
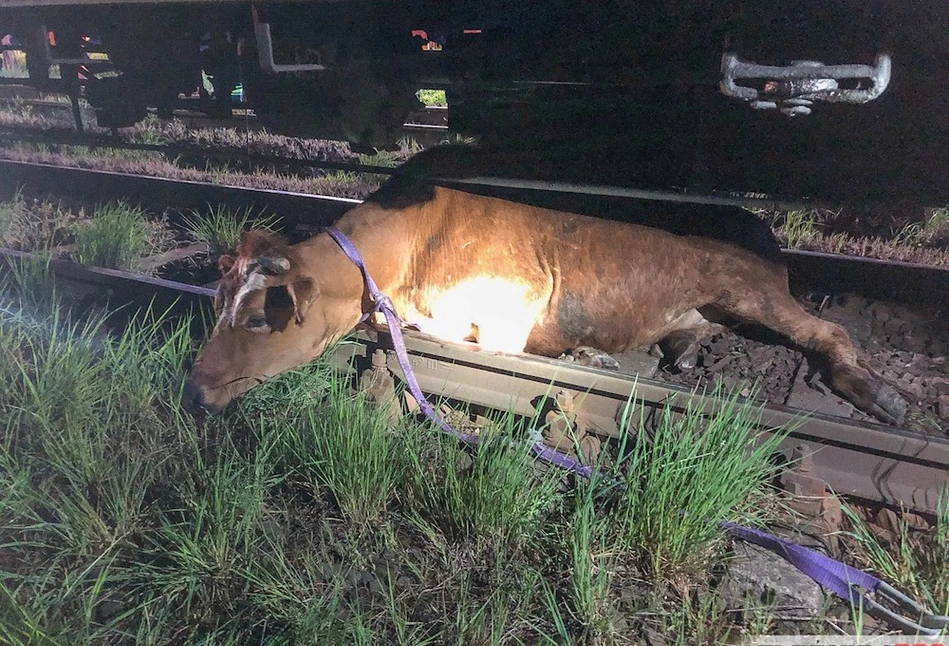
pixel 509 277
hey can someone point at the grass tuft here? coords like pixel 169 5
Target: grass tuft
pixel 347 449
pixel 32 225
pixel 221 230
pixel 914 561
pixel 32 280
pixel 591 565
pixel 432 97
pixel 490 494
pixel 331 440
pixel 933 232
pixel 796 227
pixel 117 237
pixel 692 471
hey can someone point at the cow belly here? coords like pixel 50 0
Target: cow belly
pixel 612 327
pixel 497 313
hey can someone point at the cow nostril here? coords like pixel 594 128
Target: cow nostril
pixel 192 399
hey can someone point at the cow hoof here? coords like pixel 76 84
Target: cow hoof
pixel 681 350
pixel 592 358
pixel 889 405
pixel 688 358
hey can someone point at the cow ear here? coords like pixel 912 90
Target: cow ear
pixel 224 263
pixel 303 291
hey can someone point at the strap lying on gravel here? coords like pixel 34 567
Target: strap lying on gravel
pixel 848 583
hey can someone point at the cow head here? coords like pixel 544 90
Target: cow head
pixel 266 322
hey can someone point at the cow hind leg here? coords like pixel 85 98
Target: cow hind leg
pixel 779 311
pixel 679 342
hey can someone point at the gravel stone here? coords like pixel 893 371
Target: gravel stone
pixel 906 345
pixel 760 575
pixel 942 407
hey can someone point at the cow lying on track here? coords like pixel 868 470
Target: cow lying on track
pixel 509 277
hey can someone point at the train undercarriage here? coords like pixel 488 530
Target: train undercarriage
pixel 835 100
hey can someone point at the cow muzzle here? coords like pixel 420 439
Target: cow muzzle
pixel 194 401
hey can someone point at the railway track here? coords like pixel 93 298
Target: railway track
pixel 501 186
pixel 864 460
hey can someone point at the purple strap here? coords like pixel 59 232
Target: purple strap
pixel 843 580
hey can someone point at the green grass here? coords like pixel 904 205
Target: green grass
pixel 590 564
pixel 19 107
pixel 384 158
pixel 491 495
pixel 221 229
pixel 432 97
pixel 346 449
pixel 931 232
pixel 299 515
pixel 914 561
pixel 86 436
pixel 32 279
pixel 853 232
pixel 118 236
pixel 149 132
pixel 795 227
pixel 690 470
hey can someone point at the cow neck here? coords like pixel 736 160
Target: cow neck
pixel 384 238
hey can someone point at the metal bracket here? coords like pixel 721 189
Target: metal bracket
pixel 794 89
pixel 265 51
pixel 565 430
pixel 808 494
pixel 377 384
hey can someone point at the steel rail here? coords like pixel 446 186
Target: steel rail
pixel 886 280
pixel 868 461
pixel 193 114
pixel 865 460
pixel 98 141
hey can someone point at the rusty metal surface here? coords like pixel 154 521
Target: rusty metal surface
pixel 868 461
pixel 159 192
pixel 134 287
pixel 4 4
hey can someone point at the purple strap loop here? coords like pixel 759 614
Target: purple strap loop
pixel 845 581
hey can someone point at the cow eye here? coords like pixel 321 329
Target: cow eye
pixel 257 323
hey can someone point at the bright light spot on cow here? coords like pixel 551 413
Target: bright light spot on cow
pixel 499 313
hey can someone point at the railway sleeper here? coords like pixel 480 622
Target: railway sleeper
pixel 563 429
